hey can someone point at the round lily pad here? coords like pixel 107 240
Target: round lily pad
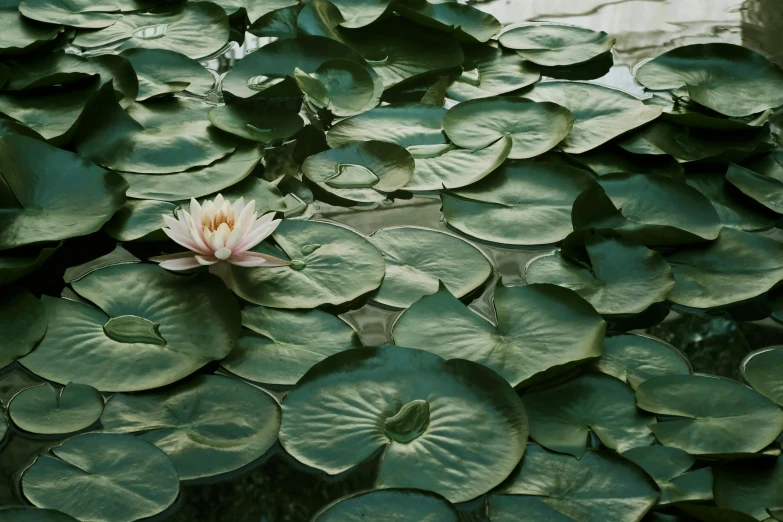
pixel 766 190
pixel 343 87
pixel 33 514
pixel 103 477
pixel 465 21
pixel 490 71
pixel 256 121
pixel 359 13
pixel 363 171
pixel 82 14
pixel 669 468
pixel 208 425
pixel 22 324
pixel 529 340
pixel 553 45
pixel 390 505
pixel 716 415
pixel 161 72
pixel 540 195
pixel 734 209
pixel 415 405
pixel 52 115
pixel 730 79
pixel 150 328
pixel 58 194
pixel 47 411
pixel 752 487
pixel 139 218
pixel 763 369
pixel 636 358
pixel 329 265
pixel 533 127
pixel 598 487
pixel 600 113
pixel 21 35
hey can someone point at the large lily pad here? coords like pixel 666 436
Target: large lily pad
pixel 45 410
pixel 669 468
pixel 208 425
pixel 452 427
pixel 83 14
pixel 342 87
pixel 329 265
pixel 390 505
pixel 490 71
pixel 555 45
pixel 766 190
pixel 21 35
pixel 139 218
pixel 58 194
pixel 152 328
pixel 764 371
pixel 466 22
pixel 752 487
pixel 717 416
pixel 727 78
pixel 406 124
pixel 57 68
pixel 521 203
pixel 22 324
pixel 735 209
pixel 103 477
pixel 161 71
pixel 636 358
pixel 533 127
pixel 529 340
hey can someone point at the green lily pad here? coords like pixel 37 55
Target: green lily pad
pixel 717 416
pixel 727 78
pixel 256 10
pixel 18 265
pixel 359 13
pixel 600 113
pixel 57 68
pixel 405 124
pixel 255 121
pixel 466 22
pixel 734 209
pixel 538 195
pixel 752 487
pixel 118 256
pixel 636 358
pixel 152 328
pixel 615 275
pixel 415 405
pixel 763 370
pixel 22 324
pixel 598 487
pixel 554 45
pixel 363 171
pixel 490 71
pixel 41 409
pixel 764 189
pixel 82 14
pixel 684 111
pixel 195 29
pixel 707 513
pixel 329 265
pixel 533 127
pixel 21 35
pixel 139 218
pixel 390 505
pixel 279 24
pixel 33 514
pixel 104 478
pixel 737 266
pixel 343 87
pixel 281 345
pixel 562 416
pixel 161 72
pixel 59 194
pixel 208 426
pixel 267 196
pixel 529 340
pixel 612 159
pixel 669 468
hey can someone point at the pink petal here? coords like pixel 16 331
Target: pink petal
pixel 182 240
pixel 254 237
pixel 207 260
pixel 176 226
pixel 250 259
pixel 181 261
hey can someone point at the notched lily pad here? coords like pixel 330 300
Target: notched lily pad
pixel 44 410
pixel 554 45
pixel 343 87
pixel 669 468
pixel 162 72
pixel 636 358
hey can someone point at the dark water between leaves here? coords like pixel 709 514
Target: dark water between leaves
pixel 280 490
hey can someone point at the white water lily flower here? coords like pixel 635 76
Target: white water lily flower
pixel 217 234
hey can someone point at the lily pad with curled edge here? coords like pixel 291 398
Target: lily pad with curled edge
pixel 82 14
pixel 161 72
pixel 730 79
pixel 21 35
pixel 54 69
pixel 534 128
pixel 521 203
pixel 553 45
pixel 615 275
pixel 600 113
pixel 490 71
pixel 360 13
pixel 735 209
pixel 766 190
pixel 103 477
pixel 17 264
pixel 330 264
pixel 33 514
pixel 653 210
pixel 598 487
pixel 343 87
pixel 254 121
pixel 636 358
pixel 195 29
pixel 754 487
pixel 390 505
pixel 138 219
pixel 208 426
pixel 737 266
pixel 57 194
pixel 118 256
pixel 279 346
pixel 416 265
pixel 539 330
pixel 148 328
pixel 44 410
pixel 669 467
pixel 363 171
pixel 452 427
pixel 763 369
pixel 22 324
pixel 464 21
pixel 715 415
pixel 562 416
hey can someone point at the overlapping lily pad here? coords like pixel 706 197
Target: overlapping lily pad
pixel 754 488
pixel 636 358
pixel 84 14
pixel 388 505
pixel 359 13
pixel 161 72
pixel 555 45
pixel 452 427
pixel 21 35
pixel 15 265
pixel 139 218
pixel 343 87
pixel 685 112
pixel 735 209
pixel 22 325
pixel 611 159
pixel 47 411
pixel 256 121
pixel 766 190
pixel 669 468
pixel 466 22
pixel 764 371
pixel 54 69
pixel 406 124
pixel 490 71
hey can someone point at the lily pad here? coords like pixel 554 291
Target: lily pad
pixel 82 14
pixel 59 194
pixel 20 264
pixel 329 265
pixel 562 416
pixel 490 71
pixel 717 416
pixel 22 324
pixel 553 45
pixel 151 328
pixel 727 78
pixel 118 256
pixel 669 468
pixel 278 24
pixel 208 425
pixel 53 69
pixel 598 487
pixel 33 514
pixel 139 218
pixel 611 159
pixel 752 487
pixel 636 358
pixel 415 405
pixel 104 478
pixel 464 21
pixel 21 35
pixel 533 127
pixel 359 13
pixel 161 71
pixel 521 203
pixel 363 171
pixel 684 111
pixel 600 113
pixel 735 209
pixel 43 410
pixel 256 121
pixel 764 189
pixel 390 505
pixel 529 340
pixel 343 87
pixel 763 370
pixel 281 345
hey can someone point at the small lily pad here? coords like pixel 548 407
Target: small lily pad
pixel 43 410
pixel 555 45
pixel 161 72
pixel 390 505
pixel 343 87
pixel 636 358
pixel 256 121
pixel 763 369
pixel 22 324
